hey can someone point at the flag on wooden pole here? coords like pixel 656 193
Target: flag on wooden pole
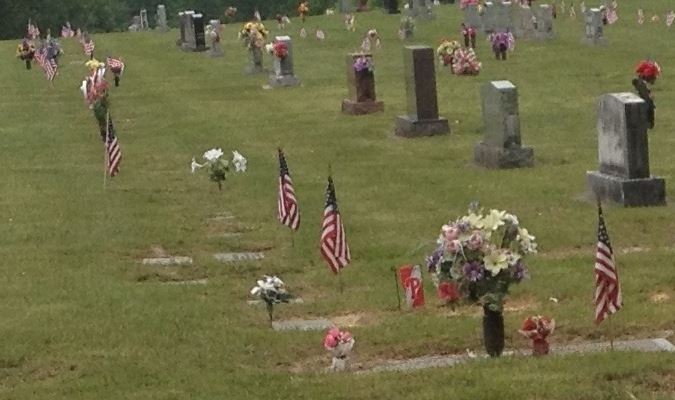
pixel 607 288
pixel 287 205
pixel 113 150
pixel 334 248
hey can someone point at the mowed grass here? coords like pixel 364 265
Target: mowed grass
pixel 81 318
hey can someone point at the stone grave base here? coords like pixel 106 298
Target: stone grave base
pixel 283 80
pixel 216 54
pixel 408 127
pixel 187 47
pixel 361 107
pixel 254 70
pixel 500 158
pixel 594 41
pixel 302 325
pixel 628 192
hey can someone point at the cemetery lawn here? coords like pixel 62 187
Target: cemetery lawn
pixel 81 318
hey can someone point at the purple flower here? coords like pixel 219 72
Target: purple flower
pixel 363 63
pixel 473 271
pixel 434 259
pixel 519 271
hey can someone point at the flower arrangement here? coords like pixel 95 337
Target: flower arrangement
pixel 465 62
pixel 303 9
pixel 25 50
pixel 445 51
pixel 218 167
pixel 340 344
pixel 484 254
pixel 350 22
pixel 230 12
pixel 280 50
pixel 271 290
pixel 502 40
pixel 407 27
pixel 253 34
pixel 537 328
pixel 364 63
pixel 466 3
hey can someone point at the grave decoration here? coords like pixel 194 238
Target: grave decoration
pixel 254 35
pixel 445 52
pixel 465 62
pixel 303 10
pixel 25 51
pixel 218 167
pixel 116 66
pixel 647 72
pixel 501 42
pixel 340 344
pixel 271 290
pixel 537 328
pixel 406 28
pixel 282 20
pixel 279 50
pixel 483 253
pixel 230 13
pixel 95 91
pixel 350 22
pixel 469 33
pixel 466 3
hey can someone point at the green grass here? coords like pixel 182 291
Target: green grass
pixel 81 318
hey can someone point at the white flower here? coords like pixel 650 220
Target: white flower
pixel 496 261
pixel 83 88
pixel 493 220
pixel 213 154
pixel 194 165
pixel 239 163
pixel 511 218
pixel 526 241
pixel 269 48
pixel 256 291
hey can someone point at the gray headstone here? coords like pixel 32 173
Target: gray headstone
pixel 161 18
pixel 524 22
pixel 501 146
pixel 345 6
pixel 182 21
pixel 361 86
pixel 503 17
pixel 420 80
pixel 489 17
pixel 623 152
pixel 187 283
pixel 144 20
pixel 283 68
pixel 238 257
pixel 216 48
pixel 421 9
pixel 189 43
pixel 594 28
pixel 544 16
pixel 166 261
pixel 302 325
pixel 471 17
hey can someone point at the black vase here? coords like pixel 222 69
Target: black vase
pixel 493 331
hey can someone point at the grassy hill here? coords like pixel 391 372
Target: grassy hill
pixel 81 318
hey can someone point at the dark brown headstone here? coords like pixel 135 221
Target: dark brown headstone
pixel 420 81
pixel 361 84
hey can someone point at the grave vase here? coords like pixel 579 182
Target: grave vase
pixel 540 347
pixel 493 331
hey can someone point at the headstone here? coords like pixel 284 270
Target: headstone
pixel 524 22
pixel 216 48
pixel 501 146
pixel 302 325
pixel 161 18
pixel 623 152
pixel 471 16
pixel 345 6
pixel 361 84
pixel 503 18
pixel 238 257
pixel 489 17
pixel 182 17
pixel 594 31
pixel 144 20
pixel 283 67
pixel 420 79
pixel 136 25
pixel 165 261
pixel 189 43
pixel 421 9
pixel 544 27
pixel 255 57
pixel 392 7
pixel 200 39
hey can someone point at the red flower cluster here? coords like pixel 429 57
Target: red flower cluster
pixel 280 50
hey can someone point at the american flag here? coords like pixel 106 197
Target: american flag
pixel 33 31
pixel 670 17
pixel 48 65
pixel 607 288
pixel 334 248
pixel 287 205
pixel 89 48
pixel 114 64
pixel 113 150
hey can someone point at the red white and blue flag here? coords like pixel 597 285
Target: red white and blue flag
pixel 287 205
pixel 47 64
pixel 334 248
pixel 113 151
pixel 89 47
pixel 607 288
pixel 116 65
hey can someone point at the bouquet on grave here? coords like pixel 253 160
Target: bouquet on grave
pixel 253 34
pixel 483 253
pixel 303 9
pixel 465 62
pixel 25 50
pixel 446 51
pixel 406 27
pixel 278 49
pixel 218 167
pixel 364 63
pixel 537 328
pixel 339 343
pixel 271 290
pixel 465 3
pixel 502 41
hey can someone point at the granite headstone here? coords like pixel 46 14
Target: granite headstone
pixel 284 74
pixel 361 84
pixel 594 27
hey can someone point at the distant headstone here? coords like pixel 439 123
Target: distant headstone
pixel 471 16
pixel 161 19
pixel 623 152
pixel 166 261
pixel 345 6
pixel 283 67
pixel 421 9
pixel 501 146
pixel 302 325
pixel 392 7
pixel 503 17
pixel 238 257
pixel 200 39
pixel 594 30
pixel 144 20
pixel 489 17
pixel 420 79
pixel 136 25
pixel 216 48
pixel 361 84
pixel 524 22
pixel 189 43
pixel 182 21
pixel 544 26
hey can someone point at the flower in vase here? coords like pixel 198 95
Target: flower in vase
pixel 496 261
pixel 453 246
pixel 194 165
pixel 494 220
pixel 519 271
pixel 434 259
pixel 526 241
pixel 239 162
pixel 473 271
pixel 340 343
pixel 450 232
pixel 213 154
pixel 363 64
pixel 475 241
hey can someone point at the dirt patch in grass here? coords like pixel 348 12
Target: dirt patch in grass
pixel 659 297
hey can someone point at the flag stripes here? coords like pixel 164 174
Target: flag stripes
pixel 113 151
pixel 607 289
pixel 287 205
pixel 334 248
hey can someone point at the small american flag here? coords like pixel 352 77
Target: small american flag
pixel 288 213
pixel 670 17
pixel 607 288
pixel 612 16
pixel 33 31
pixel 641 16
pixel 113 151
pixel 114 64
pixel 573 13
pixel 41 57
pixel 47 64
pixel 334 248
pixel 89 48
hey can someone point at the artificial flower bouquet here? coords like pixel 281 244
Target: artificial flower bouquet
pixel 537 328
pixel 254 34
pixel 340 344
pixel 484 253
pixel 445 51
pixel 271 290
pixel 465 62
pixel 218 166
pixel 279 50
pixel 364 63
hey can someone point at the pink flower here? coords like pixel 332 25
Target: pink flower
pixel 450 232
pixel 334 337
pixel 453 246
pixel 475 241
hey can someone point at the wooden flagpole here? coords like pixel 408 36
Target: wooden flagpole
pixel 105 148
pixel 610 328
pixel 398 293
pixel 341 283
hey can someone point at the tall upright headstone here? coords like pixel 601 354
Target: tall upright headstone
pixel 144 20
pixel 421 9
pixel 544 26
pixel 503 16
pixel 501 146
pixel 471 16
pixel 161 18
pixel 216 48
pixel 489 17
pixel 524 22
pixel 189 43
pixel 594 30
pixel 345 6
pixel 255 58
pixel 284 74
pixel 200 38
pixel 361 85
pixel 623 153
pixel 420 81
pixel 182 24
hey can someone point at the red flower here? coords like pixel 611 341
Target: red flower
pixel 448 291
